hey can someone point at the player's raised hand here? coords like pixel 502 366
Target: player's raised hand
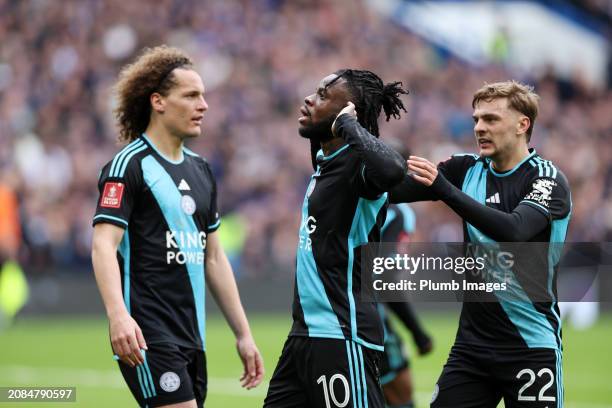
pixel 251 361
pixel 127 339
pixel 350 109
pixel 422 170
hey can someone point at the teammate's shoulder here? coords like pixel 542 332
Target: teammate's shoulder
pixel 472 156
pixel 125 158
pixel 544 175
pixel 460 160
pixel 465 157
pixel 542 168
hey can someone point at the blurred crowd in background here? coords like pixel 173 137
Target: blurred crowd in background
pixel 258 60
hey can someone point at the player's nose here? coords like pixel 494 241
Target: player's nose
pixel 309 100
pixel 202 105
pixel 479 127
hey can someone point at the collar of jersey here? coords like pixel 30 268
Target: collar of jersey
pixel 331 156
pixel 532 153
pixel 179 161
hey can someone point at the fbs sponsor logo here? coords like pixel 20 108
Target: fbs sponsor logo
pixel 185 247
pixel 111 195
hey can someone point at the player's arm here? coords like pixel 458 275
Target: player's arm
pixel 220 281
pixel 522 224
pixel 384 167
pixel 404 311
pixel 410 190
pixel 126 336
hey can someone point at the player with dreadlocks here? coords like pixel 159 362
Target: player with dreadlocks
pixel 333 352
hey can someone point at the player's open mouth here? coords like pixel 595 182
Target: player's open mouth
pixel 197 120
pixel 484 143
pixel 305 114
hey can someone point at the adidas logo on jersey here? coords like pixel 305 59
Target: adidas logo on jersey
pixel 183 185
pixel 494 199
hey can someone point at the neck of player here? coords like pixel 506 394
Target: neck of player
pixel 506 162
pixel 331 145
pixel 169 145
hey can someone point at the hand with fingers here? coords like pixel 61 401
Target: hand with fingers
pixel 251 361
pixel 350 109
pixel 127 340
pixel 422 170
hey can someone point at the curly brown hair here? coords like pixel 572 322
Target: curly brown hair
pixel 521 98
pixel 150 72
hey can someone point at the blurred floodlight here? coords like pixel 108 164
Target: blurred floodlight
pixel 119 41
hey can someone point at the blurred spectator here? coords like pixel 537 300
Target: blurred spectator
pixel 258 59
pixel 10 229
pixel 13 285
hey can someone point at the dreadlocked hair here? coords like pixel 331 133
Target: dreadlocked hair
pixel 371 96
pixel 151 72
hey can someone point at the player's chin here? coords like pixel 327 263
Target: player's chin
pixel 305 131
pixel 486 152
pixel 194 131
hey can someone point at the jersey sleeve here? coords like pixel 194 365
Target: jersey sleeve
pixel 380 167
pixel 117 193
pixel 214 218
pixel 522 224
pixel 549 195
pixel 364 187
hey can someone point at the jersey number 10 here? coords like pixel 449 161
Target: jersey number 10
pixel 328 390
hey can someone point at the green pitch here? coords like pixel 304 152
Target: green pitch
pixel 76 352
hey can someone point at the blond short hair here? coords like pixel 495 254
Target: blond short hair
pixel 521 98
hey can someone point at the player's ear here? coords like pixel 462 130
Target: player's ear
pixel 523 125
pixel 157 102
